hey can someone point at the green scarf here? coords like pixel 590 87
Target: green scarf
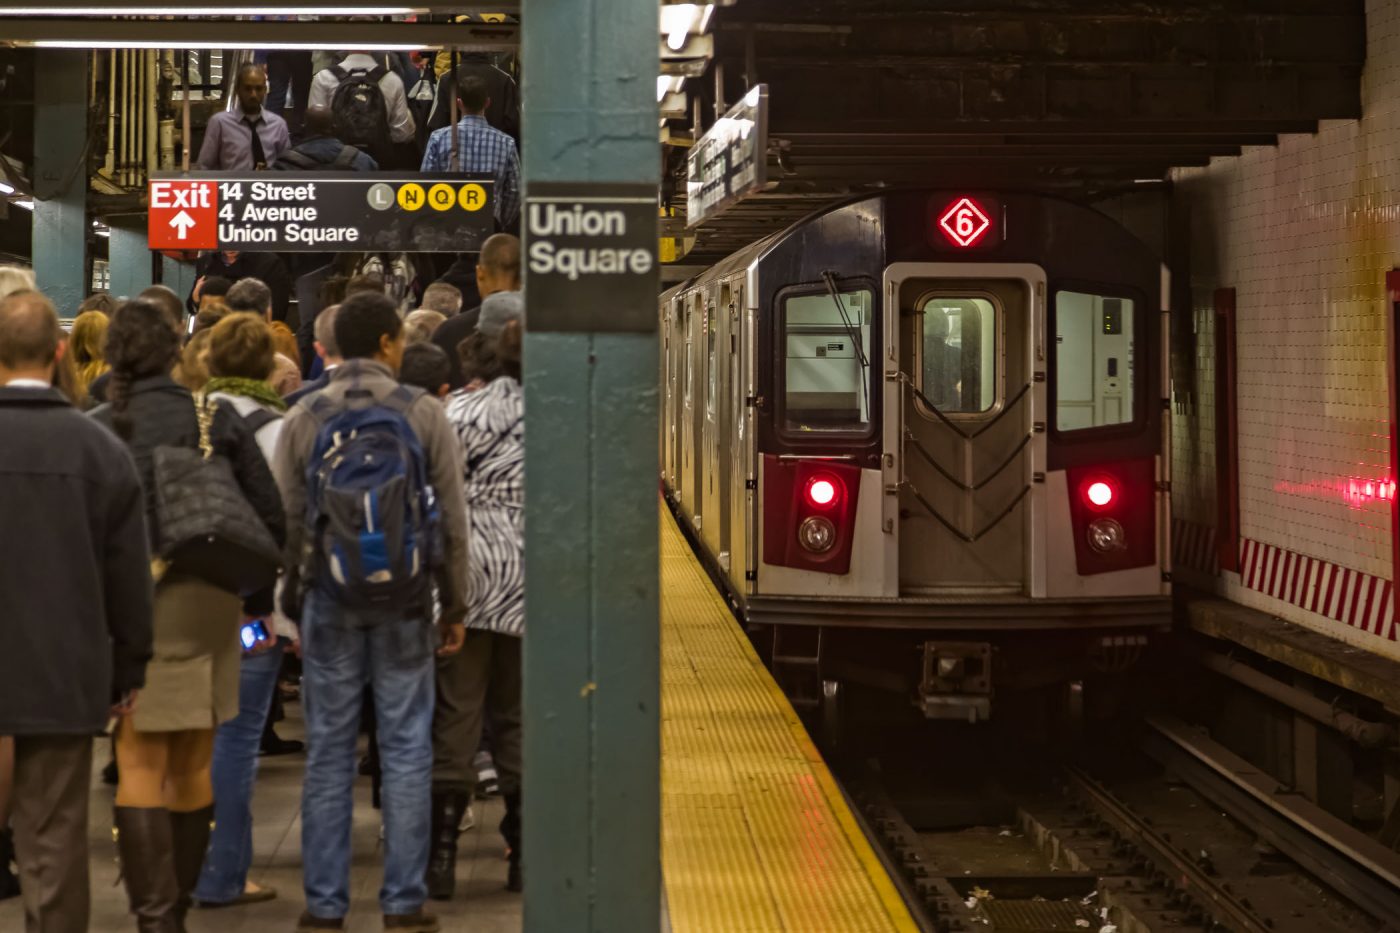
pixel 255 389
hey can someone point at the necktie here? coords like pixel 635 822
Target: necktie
pixel 259 157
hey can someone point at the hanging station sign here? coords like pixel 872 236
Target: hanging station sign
pixel 730 162
pixel 287 212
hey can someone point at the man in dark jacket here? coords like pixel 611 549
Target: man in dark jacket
pixel 234 265
pixel 76 573
pixel 503 107
pixel 498 270
pixel 321 151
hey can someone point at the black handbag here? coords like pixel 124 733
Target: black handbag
pixel 205 526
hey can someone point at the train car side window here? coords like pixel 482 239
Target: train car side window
pixel 957 368
pixel 1093 361
pixel 827 361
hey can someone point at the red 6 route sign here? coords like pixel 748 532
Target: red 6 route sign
pixel 964 222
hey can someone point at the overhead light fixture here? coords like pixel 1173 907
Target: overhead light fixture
pixel 100 43
pixel 679 20
pixel 668 84
pixel 176 10
pixel 6 189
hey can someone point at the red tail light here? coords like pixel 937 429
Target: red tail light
pixel 1100 494
pixel 821 492
pixel 809 513
pixel 1113 508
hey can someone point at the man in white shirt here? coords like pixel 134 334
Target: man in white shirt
pixel 397 115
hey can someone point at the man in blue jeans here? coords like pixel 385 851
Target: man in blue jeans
pixel 344 648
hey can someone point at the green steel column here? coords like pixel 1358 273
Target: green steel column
pixel 128 261
pixel 60 176
pixel 176 275
pixel 592 646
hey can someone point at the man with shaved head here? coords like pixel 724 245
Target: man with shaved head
pixel 497 270
pixel 75 572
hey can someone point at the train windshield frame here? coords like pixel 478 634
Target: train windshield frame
pixel 826 378
pixel 1115 312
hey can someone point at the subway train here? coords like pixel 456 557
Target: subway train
pixel 920 439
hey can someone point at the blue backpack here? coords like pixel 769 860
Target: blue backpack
pixel 370 511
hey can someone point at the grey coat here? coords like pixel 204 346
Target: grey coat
pixel 75 576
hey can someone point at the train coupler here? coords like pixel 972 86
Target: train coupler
pixel 957 681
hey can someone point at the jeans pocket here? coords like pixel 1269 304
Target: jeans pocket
pixel 407 643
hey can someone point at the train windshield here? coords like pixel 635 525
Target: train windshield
pixel 827 373
pixel 1094 361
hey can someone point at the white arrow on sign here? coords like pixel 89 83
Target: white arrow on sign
pixel 182 222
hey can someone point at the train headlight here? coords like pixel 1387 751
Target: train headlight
pixel 1106 536
pixel 817 534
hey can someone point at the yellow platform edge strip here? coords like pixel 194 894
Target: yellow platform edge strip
pixel 881 895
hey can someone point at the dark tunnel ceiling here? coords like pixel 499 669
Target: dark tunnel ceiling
pixel 1056 94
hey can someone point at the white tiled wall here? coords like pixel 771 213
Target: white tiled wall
pixel 1305 233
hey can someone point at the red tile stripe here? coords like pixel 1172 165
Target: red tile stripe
pixel 1341 594
pixel 1193 545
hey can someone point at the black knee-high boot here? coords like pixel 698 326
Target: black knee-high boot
pixel 190 832
pixel 147 851
pixel 510 829
pixel 442 859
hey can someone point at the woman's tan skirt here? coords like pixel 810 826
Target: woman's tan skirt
pixel 192 679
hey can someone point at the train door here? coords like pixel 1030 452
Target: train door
pixel 711 489
pixel 685 481
pixel 967 428
pixel 668 398
pixel 735 465
pixel 744 329
pixel 695 420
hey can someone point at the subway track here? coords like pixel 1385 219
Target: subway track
pixel 1144 827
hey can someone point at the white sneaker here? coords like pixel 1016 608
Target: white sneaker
pixel 468 820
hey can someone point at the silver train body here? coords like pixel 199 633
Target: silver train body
pixel 920 439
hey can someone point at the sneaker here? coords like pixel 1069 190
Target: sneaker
pixel 468 820
pixel 309 923
pixel 274 744
pixel 417 922
pixel 487 784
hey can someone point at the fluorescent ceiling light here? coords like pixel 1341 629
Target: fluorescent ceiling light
pixel 106 233
pixel 666 84
pixel 100 43
pixel 6 189
pixel 26 203
pixel 176 10
pixel 679 20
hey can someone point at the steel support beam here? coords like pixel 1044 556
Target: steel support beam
pixel 128 261
pixel 60 177
pixel 177 276
pixel 592 724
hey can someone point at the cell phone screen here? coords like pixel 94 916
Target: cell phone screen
pixel 253 632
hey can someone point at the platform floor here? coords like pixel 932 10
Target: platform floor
pixel 482 904
pixel 756 835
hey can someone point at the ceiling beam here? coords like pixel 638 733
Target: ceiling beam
pixel 224 33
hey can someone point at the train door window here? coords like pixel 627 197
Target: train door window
pixel 689 354
pixel 1093 361
pixel 711 370
pixel 827 364
pixel 957 346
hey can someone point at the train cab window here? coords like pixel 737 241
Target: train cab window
pixel 1093 361
pixel 827 372
pixel 958 353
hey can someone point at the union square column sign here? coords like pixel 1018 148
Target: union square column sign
pixel 590 256
pixel 285 212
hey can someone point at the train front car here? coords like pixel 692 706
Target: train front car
pixel 921 438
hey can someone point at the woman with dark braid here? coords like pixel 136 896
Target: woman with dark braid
pixel 164 800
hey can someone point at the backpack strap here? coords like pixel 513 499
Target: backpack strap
pixel 340 73
pixel 376 74
pixel 257 420
pixel 345 158
pixel 402 399
pixel 320 407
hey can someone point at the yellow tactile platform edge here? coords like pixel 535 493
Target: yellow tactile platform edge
pixel 755 834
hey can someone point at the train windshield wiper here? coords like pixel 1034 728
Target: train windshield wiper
pixel 829 278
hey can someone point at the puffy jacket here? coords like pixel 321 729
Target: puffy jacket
pixel 162 415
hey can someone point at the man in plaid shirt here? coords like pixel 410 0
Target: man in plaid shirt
pixel 480 148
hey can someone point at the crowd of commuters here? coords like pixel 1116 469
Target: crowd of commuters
pixel 417 620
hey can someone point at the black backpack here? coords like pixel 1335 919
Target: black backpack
pixel 360 112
